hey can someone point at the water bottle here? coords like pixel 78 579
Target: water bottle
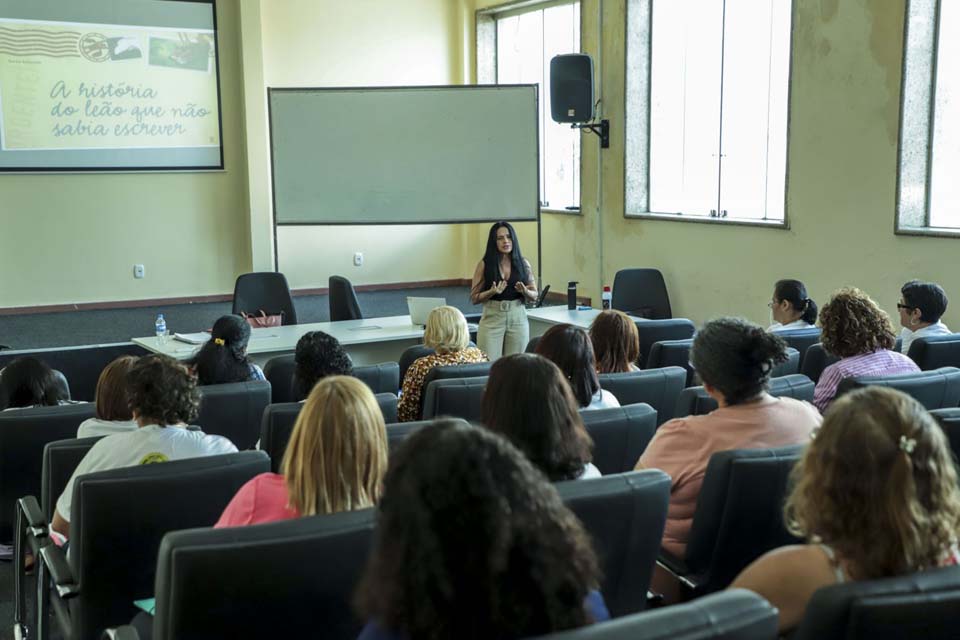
pixel 606 297
pixel 161 326
pixel 572 295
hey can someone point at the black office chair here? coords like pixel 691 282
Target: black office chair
pixel 659 388
pixel 234 410
pixel 60 459
pixel 411 355
pixel 454 397
pixel 397 433
pixel 672 353
pixel 800 339
pixel 739 516
pixel 448 372
pixel 788 367
pixel 816 360
pixel 652 331
pixel 23 435
pixel 919 605
pixel 118 519
pixel 937 389
pixel 641 293
pixel 949 419
pixel 620 435
pixel 343 300
pixel 934 352
pixel 737 614
pixel 381 378
pixel 279 372
pixel 624 514
pixel 264 291
pixel 694 401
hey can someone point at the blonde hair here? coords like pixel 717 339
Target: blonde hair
pixel 878 484
pixel 337 453
pixel 446 330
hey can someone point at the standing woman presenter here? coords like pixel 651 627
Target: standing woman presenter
pixel 503 283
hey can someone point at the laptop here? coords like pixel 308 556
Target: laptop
pixel 420 308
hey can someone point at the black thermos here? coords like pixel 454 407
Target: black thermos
pixel 572 295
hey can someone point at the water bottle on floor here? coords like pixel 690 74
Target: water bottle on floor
pixel 161 326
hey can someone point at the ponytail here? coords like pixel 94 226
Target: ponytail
pixel 809 311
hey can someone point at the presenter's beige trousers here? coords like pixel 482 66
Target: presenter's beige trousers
pixel 503 328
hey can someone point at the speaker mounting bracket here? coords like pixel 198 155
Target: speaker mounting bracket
pixel 601 128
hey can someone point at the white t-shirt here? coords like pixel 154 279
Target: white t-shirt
pixel 146 445
pixel 602 399
pixel 790 326
pixel 97 427
pixel 908 336
pixel 589 471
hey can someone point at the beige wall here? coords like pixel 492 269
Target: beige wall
pixel 75 238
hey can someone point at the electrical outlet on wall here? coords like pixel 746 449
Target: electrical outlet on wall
pixel 138 271
pixel 358 259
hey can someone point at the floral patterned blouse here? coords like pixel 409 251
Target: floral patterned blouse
pixel 409 407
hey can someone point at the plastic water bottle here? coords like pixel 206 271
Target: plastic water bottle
pixel 161 326
pixel 606 297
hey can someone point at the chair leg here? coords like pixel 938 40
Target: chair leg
pixel 43 601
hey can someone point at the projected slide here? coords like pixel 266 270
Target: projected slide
pixel 84 94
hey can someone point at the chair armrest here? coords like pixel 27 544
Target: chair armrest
pixel 124 632
pixel 37 524
pixel 677 568
pixel 60 572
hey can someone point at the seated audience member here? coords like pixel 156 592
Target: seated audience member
pixel 447 334
pixel 223 358
pixel 569 348
pixel 472 542
pixel 616 343
pixel 791 308
pixel 28 382
pixel 335 460
pixel 164 399
pixel 528 401
pixel 921 306
pixel 875 495
pixel 317 356
pixel 113 414
pixel 854 328
pixel 733 358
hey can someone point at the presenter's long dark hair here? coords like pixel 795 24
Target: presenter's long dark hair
pixel 491 258
pixel 223 358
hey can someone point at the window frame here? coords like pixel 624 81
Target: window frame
pixel 918 90
pixel 638 43
pixel 485 31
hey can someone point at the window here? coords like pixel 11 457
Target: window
pixel 928 198
pixel 525 38
pixel 707 101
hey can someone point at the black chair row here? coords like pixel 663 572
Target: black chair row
pixel 676 353
pixel 280 372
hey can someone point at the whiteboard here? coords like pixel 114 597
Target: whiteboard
pixel 404 155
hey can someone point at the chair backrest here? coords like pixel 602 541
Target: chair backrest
pixel 737 614
pixel 672 353
pixel 23 435
pixel 651 332
pixel 279 419
pixel 801 339
pixel 936 389
pixel 920 605
pixel 788 367
pixel 267 291
pixel 381 378
pixel 641 293
pixel 694 401
pixel 81 366
pixel 411 355
pixel 60 460
pixel 454 397
pixel 119 517
pixel 658 388
pixel 949 419
pixel 234 411
pixel 449 372
pixel 279 372
pixel 933 352
pixel 620 435
pixel 343 300
pixel 816 360
pixel 248 582
pixel 739 513
pixel 624 515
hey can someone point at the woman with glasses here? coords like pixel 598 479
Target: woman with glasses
pixel 921 306
pixel 790 307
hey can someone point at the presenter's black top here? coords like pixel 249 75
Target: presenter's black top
pixel 510 292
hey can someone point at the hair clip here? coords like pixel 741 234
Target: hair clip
pixel 907 444
pixel 219 341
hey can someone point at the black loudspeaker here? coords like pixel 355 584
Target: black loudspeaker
pixel 571 88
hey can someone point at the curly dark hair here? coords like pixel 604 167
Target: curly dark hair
pixel 318 355
pixel 162 391
pixel 223 358
pixel 28 381
pixel 569 348
pixel 528 400
pixel 852 324
pixel 736 357
pixel 473 542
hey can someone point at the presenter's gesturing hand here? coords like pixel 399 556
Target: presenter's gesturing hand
pixel 498 288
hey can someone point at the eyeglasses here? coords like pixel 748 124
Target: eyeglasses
pixel 905 306
pixel 772 304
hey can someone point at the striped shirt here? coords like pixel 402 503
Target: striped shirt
pixel 879 363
